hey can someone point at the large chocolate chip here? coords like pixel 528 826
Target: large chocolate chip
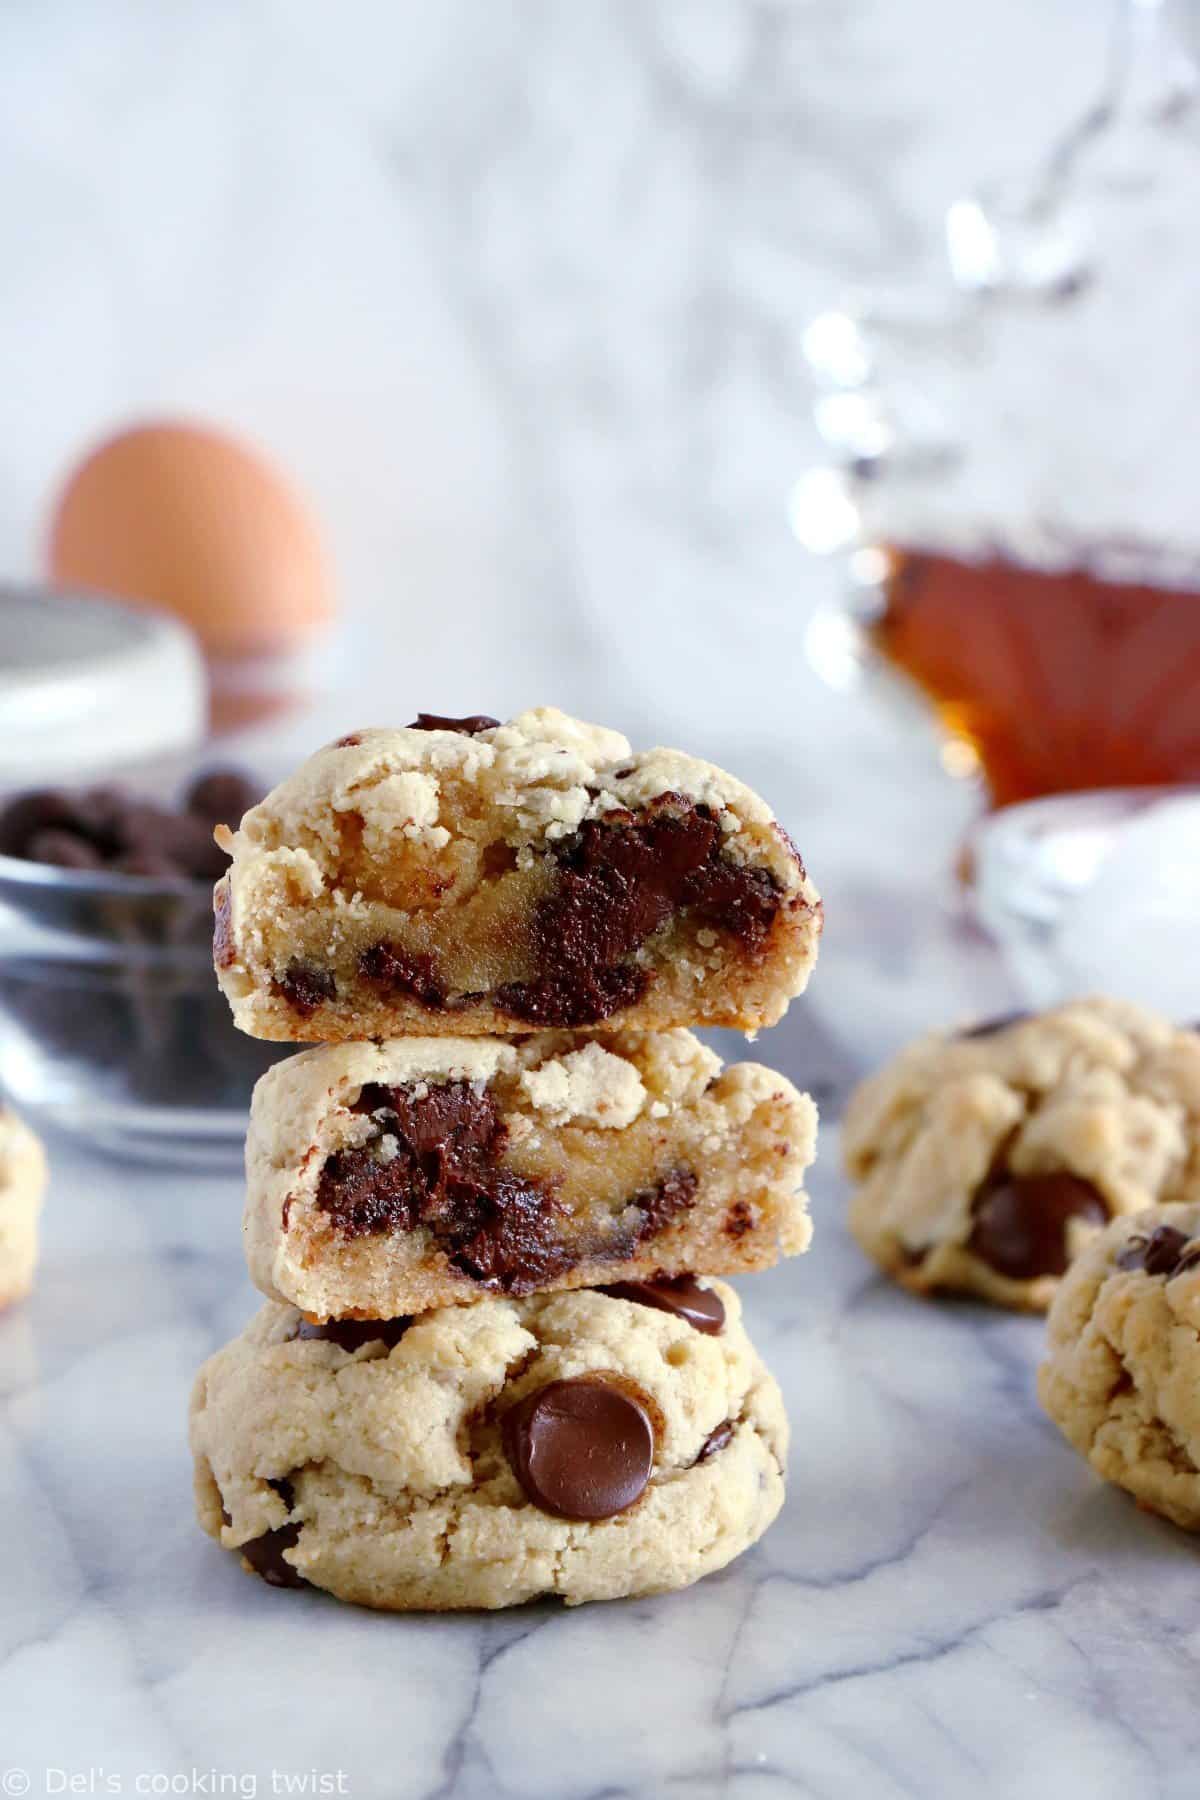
pixel 265 1556
pixel 352 1334
pixel 305 985
pixel 399 971
pixel 1159 1254
pixel 469 727
pixel 582 1448
pixel 683 1296
pixel 1020 1227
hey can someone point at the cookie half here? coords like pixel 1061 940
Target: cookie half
pixel 475 878
pixel 570 1444
pixel 984 1163
pixel 22 1185
pixel 391 1178
pixel 1122 1375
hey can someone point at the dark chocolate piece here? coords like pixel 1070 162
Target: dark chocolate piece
pixel 1020 1227
pixel 1162 1253
pixel 352 1334
pixel 444 1171
pixel 683 1296
pixel 581 1449
pixel 305 985
pixel 469 727
pixel 400 971
pixel 716 1440
pixel 221 796
pixel 621 878
pixel 989 1027
pixel 265 1556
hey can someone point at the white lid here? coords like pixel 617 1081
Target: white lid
pixel 88 686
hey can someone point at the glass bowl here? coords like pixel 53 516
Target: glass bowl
pixel 1096 893
pixel 111 1023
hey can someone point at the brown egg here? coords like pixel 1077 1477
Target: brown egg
pixel 184 518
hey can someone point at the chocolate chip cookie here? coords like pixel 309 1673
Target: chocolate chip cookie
pixel 392 1178
pixel 586 1445
pixel 22 1183
pixel 1122 1375
pixel 461 877
pixel 984 1162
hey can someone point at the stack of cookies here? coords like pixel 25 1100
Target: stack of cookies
pixel 488 1209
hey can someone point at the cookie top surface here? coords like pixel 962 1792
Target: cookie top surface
pixel 548 771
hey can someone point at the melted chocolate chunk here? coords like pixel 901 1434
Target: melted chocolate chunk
pixel 1162 1253
pixel 620 880
pixel 683 1296
pixel 581 1449
pixel 305 986
pixel 399 971
pixel 989 1027
pixel 469 727
pixel 1020 1227
pixel 437 1163
pixel 716 1440
pixel 352 1334
pixel 445 1174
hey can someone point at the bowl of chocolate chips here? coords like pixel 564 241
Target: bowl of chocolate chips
pixel 111 1024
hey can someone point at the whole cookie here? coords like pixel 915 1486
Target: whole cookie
pixel 1122 1375
pixel 22 1182
pixel 983 1163
pixel 582 1444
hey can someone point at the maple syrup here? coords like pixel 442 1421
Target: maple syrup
pixel 1058 679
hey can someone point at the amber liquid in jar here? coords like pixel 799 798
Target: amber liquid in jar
pixel 1059 680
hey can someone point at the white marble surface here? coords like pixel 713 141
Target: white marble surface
pixel 515 291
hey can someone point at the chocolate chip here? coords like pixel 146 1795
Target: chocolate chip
pixel 989 1027
pixel 305 986
pixel 469 727
pixel 683 1296
pixel 620 879
pixel 1020 1227
pixel 221 796
pixel 716 1440
pixel 63 850
pixel 265 1556
pixel 582 1448
pixel 1159 1254
pixel 399 971
pixel 352 1334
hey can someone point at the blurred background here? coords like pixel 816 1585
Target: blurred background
pixel 625 357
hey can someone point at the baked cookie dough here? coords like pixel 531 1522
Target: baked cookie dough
pixel 22 1184
pixel 983 1163
pixel 462 877
pixel 396 1177
pixel 1122 1375
pixel 581 1445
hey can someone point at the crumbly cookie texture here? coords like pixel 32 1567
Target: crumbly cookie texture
pixel 1121 1378
pixel 382 1474
pixel 22 1184
pixel 421 1172
pixel 502 878
pixel 984 1163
